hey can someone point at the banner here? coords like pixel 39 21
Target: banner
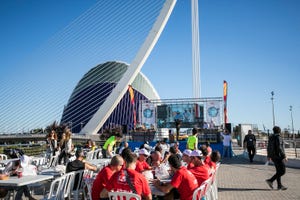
pixel 131 94
pixel 225 101
pixel 148 115
pixel 213 117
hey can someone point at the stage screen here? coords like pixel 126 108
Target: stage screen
pixel 189 115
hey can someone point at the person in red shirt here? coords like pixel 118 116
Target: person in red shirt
pixel 141 164
pixel 214 159
pixel 186 159
pixel 200 170
pixel 183 180
pixel 206 154
pixel 102 178
pixel 130 180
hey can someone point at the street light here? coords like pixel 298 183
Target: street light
pixel 272 98
pixel 70 126
pixel 294 138
pixel 81 125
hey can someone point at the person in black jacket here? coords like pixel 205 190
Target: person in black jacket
pixel 250 144
pixel 276 153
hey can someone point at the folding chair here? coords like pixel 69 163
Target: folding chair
pixel 77 186
pixel 55 189
pixel 123 196
pixel 68 183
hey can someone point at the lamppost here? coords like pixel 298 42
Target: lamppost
pixel 81 125
pixel 272 98
pixel 70 126
pixel 294 138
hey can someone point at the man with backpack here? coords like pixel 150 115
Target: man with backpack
pixel 250 144
pixel 277 155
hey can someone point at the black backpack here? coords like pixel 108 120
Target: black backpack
pixel 272 147
pixel 250 140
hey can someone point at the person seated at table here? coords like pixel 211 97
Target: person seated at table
pixel 183 180
pixel 176 146
pixel 209 149
pixel 146 146
pixel 165 148
pixel 102 178
pixel 187 159
pixel 206 155
pixel 141 164
pixel 154 160
pixel 122 147
pixel 200 170
pixel 125 153
pixel 214 159
pixel 22 163
pixel 130 180
pixel 174 152
pixel 79 164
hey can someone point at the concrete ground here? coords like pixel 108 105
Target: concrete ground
pixel 238 179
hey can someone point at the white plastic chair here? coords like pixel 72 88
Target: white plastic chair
pixel 89 155
pixel 87 191
pixel 97 154
pixel 88 173
pixel 205 190
pixel 3 157
pixel 78 182
pixel 56 189
pixel 68 183
pixel 123 196
pixel 199 193
pixel 214 184
pixel 52 162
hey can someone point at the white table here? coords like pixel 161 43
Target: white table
pixel 156 191
pixel 14 181
pixel 100 163
pixel 5 162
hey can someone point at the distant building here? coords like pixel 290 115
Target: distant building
pixel 93 89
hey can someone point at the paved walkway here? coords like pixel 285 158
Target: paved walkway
pixel 240 180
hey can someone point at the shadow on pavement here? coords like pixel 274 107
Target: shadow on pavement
pixel 241 189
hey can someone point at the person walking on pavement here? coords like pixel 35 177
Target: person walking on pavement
pixel 250 144
pixel 276 153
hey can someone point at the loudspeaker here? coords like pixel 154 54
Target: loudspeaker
pixel 124 129
pixel 228 127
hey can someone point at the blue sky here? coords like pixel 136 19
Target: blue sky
pixel 253 45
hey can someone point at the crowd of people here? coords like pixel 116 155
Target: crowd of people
pixel 135 171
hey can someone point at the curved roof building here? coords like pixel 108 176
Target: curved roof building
pixel 94 88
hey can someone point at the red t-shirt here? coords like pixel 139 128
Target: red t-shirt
pixel 201 173
pixel 142 166
pixel 207 160
pixel 100 182
pixel 185 182
pixel 190 165
pixel 118 182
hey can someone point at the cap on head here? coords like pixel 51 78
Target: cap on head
pixel 196 153
pixel 144 152
pixel 187 152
